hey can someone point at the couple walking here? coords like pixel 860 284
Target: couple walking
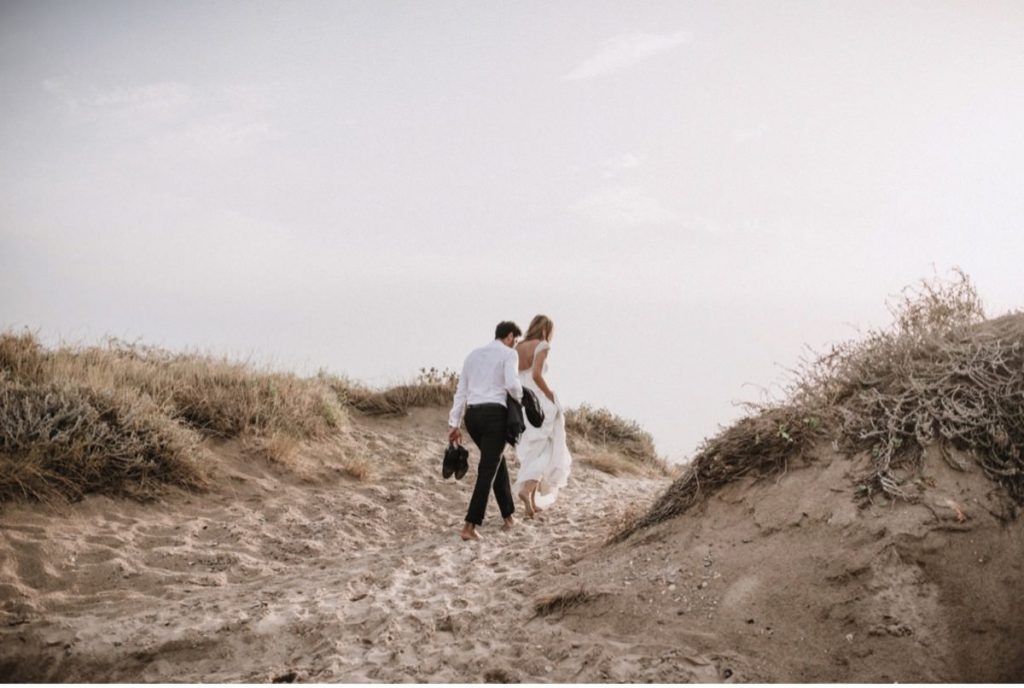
pixel 505 367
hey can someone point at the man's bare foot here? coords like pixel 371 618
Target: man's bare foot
pixel 469 532
pixel 524 496
pixel 510 523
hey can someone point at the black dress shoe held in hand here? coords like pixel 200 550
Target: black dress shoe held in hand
pixel 450 459
pixel 463 462
pixel 456 461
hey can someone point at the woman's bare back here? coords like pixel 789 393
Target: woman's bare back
pixel 526 351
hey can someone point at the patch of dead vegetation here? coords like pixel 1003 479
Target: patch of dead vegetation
pixel 619 441
pixel 358 466
pixel 561 602
pixel 63 440
pixel 612 463
pixel 278 447
pixel 128 419
pixel 941 375
pixel 432 387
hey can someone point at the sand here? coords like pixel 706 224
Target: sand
pixel 307 574
pixel 792 580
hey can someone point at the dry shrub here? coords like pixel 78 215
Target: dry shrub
pixel 357 466
pixel 599 426
pixel 23 358
pixel 66 440
pixel 220 397
pixel 758 445
pixel 278 447
pixel 123 418
pixel 394 401
pixel 613 463
pixel 564 601
pixel 940 375
pixel 431 387
pixel 213 395
pixel 623 521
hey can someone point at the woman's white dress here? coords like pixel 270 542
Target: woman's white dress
pixel 543 453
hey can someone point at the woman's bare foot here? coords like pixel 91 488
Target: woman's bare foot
pixel 469 532
pixel 510 523
pixel 525 497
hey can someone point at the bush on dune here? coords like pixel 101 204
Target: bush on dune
pixel 128 419
pixel 431 387
pixel 215 396
pixel 633 445
pixel 66 440
pixel 941 375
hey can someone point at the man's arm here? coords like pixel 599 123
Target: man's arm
pixel 512 384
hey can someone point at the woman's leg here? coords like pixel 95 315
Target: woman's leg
pixel 526 496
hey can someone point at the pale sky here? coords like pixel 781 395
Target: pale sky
pixel 693 191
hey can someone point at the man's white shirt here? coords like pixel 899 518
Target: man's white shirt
pixel 489 373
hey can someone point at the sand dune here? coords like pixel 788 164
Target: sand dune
pixel 866 530
pixel 791 580
pixel 308 574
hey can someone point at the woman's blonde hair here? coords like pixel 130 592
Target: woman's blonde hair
pixel 540 327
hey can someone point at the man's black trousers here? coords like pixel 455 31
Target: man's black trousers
pixel 487 424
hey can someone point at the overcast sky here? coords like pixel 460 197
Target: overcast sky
pixel 692 191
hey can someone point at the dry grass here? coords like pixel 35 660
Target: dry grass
pixel 941 375
pixel 613 463
pixel 278 447
pixel 563 601
pixel 760 445
pixel 616 435
pixel 358 466
pixel 127 419
pixel 63 440
pixel 431 387
pixel 215 396
pixel 394 401
pixel 623 521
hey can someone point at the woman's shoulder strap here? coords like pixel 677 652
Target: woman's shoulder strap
pixel 542 346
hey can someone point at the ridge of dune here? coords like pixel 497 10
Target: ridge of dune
pixel 309 574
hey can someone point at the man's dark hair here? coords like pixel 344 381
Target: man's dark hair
pixel 505 328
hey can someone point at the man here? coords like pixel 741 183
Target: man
pixel 488 375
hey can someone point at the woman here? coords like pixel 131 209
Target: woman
pixel 544 458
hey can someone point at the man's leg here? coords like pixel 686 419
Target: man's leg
pixel 503 489
pixel 487 428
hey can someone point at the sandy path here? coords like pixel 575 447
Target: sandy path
pixel 321 578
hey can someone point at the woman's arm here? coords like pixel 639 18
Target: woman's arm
pixel 538 374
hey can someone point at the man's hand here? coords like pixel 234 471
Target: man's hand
pixel 454 435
